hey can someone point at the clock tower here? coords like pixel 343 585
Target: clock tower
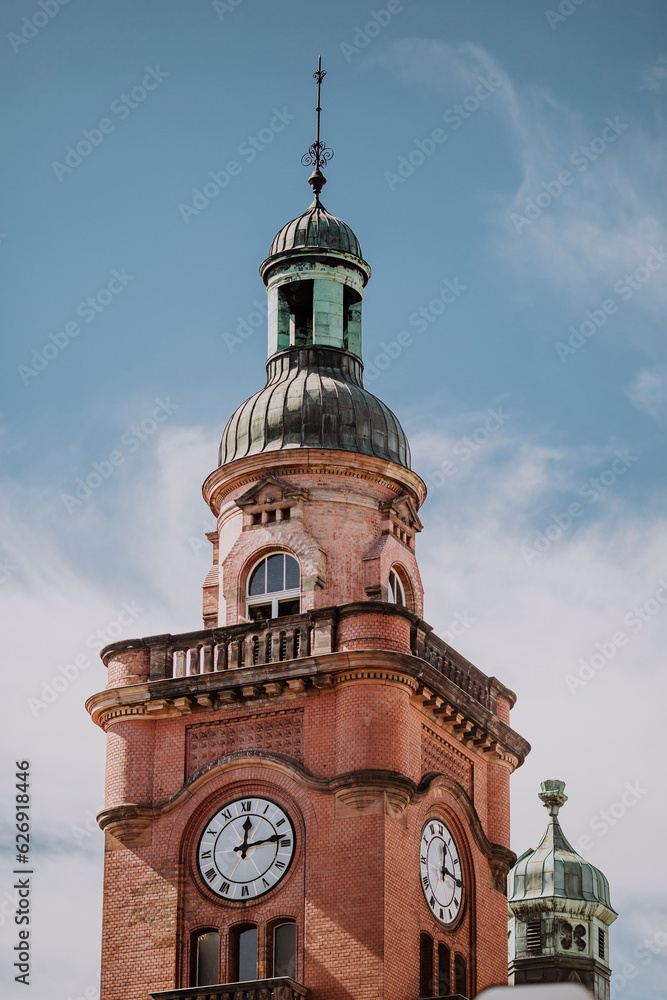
pixel 310 795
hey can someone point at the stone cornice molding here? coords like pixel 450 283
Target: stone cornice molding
pixel 310 461
pixel 436 695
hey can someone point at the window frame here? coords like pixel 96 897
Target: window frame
pixel 273 597
pixel 273 927
pixel 195 937
pixel 235 950
pixel 391 589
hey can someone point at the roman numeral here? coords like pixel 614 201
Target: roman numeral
pixel 431 901
pixel 210 874
pixel 280 864
pixel 285 843
pixel 422 858
pixel 246 806
pixel 441 913
pixel 441 831
pixel 279 823
pixel 224 887
pixel 244 890
pixel 212 832
pixel 432 829
pixel 264 882
pixel 226 813
pixel 205 854
pixel 425 881
pixel 267 809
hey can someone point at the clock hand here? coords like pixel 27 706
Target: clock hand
pixel 243 848
pixel 452 876
pixel 268 840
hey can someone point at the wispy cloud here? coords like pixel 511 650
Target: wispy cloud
pixel 648 391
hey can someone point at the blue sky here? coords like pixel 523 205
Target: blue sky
pixel 522 254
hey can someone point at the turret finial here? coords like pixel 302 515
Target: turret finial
pixel 553 795
pixel 318 154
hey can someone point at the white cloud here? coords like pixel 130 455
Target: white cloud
pixel 587 234
pixel 654 77
pixel 648 391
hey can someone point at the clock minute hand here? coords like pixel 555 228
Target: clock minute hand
pixel 268 840
pixel 456 880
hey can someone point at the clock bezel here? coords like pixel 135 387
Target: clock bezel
pixel 285 876
pixel 456 839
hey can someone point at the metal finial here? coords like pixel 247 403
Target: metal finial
pixel 553 795
pixel 318 154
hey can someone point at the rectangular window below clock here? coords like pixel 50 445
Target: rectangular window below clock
pixel 244 957
pixel 206 959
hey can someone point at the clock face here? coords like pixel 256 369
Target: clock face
pixel 246 848
pixel 440 869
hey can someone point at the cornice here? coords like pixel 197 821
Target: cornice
pixel 435 695
pixel 244 472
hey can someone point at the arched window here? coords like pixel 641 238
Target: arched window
pixel 425 965
pixel 274 588
pixel 444 976
pixel 395 589
pixel 206 951
pixel 460 975
pixel 284 949
pixel 244 953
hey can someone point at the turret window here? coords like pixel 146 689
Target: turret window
pixel 395 589
pixel 601 947
pixel 534 936
pixel 274 588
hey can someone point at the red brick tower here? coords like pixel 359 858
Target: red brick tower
pixel 311 795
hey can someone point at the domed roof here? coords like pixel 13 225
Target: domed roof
pixel 316 228
pixel 554 869
pixel 314 398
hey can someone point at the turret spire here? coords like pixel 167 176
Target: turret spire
pixel 319 153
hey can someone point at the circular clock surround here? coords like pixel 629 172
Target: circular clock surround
pixel 246 848
pixel 440 871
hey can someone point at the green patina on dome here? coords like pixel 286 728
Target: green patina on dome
pixel 314 398
pixel 554 869
pixel 316 228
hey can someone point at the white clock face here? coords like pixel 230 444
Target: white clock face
pixel 246 848
pixel 440 869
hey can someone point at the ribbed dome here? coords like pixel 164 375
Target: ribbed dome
pixel 555 869
pixel 314 398
pixel 316 228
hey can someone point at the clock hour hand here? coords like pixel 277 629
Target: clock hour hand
pixel 243 847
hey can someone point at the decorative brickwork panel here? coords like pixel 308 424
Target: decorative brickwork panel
pixel 439 755
pixel 274 732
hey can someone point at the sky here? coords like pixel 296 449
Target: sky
pixel 503 166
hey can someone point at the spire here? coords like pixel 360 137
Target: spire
pixel 318 154
pixel 553 795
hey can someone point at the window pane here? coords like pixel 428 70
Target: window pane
pixel 460 976
pixel 284 950
pixel 274 573
pixel 288 607
pixel 391 597
pixel 259 612
pixel 444 985
pixel 292 574
pixel 247 955
pixel 257 585
pixel 425 966
pixel 207 959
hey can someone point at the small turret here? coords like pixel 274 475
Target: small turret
pixel 559 911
